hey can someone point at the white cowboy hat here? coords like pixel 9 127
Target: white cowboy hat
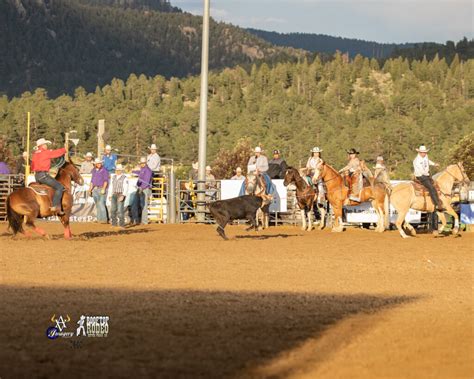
pixel 89 154
pixel 108 148
pixel 195 165
pixel 119 167
pixel 153 147
pixel 379 158
pixel 316 150
pixel 258 149
pixel 422 149
pixel 142 159
pixel 208 168
pixel 238 169
pixel 42 141
pixel 97 161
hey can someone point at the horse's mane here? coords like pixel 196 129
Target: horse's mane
pixel 331 168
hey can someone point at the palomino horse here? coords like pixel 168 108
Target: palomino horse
pixel 404 197
pixel 338 193
pixel 255 185
pixel 306 197
pixel 29 202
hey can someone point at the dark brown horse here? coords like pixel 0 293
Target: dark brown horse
pixel 338 195
pixel 35 201
pixel 306 197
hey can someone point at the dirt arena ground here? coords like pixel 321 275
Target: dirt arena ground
pixel 279 303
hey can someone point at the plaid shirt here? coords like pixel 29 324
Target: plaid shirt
pixel 119 184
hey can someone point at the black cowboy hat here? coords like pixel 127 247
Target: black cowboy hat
pixel 276 151
pixel 352 151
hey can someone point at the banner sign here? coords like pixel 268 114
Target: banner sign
pixel 231 189
pixel 83 208
pixel 467 214
pixel 364 213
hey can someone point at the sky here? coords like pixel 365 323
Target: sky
pixel 374 20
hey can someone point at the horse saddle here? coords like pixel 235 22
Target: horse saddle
pixel 41 189
pixel 421 190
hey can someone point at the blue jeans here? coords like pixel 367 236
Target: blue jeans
pixel 43 177
pixel 117 210
pixel 99 201
pixel 140 204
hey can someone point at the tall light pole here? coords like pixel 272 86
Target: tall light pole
pixel 203 113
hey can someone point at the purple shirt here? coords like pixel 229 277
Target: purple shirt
pixel 4 170
pixel 144 177
pixel 99 177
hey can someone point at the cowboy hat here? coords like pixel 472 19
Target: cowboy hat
pixel 276 151
pixel 97 161
pixel 208 168
pixel 42 141
pixel 379 158
pixel 89 154
pixel 108 148
pixel 316 150
pixel 258 149
pixel 422 149
pixel 142 159
pixel 153 147
pixel 352 151
pixel 195 165
pixel 119 167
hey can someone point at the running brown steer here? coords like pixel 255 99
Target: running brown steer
pixel 238 208
pixel 35 201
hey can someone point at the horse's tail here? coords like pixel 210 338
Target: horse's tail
pixel 15 220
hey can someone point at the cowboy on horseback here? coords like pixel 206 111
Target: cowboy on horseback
pixel 421 165
pixel 313 161
pixel 41 164
pixel 352 168
pixel 258 164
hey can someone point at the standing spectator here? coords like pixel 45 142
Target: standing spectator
pixel 20 167
pixel 143 193
pixel 4 170
pixel 153 160
pixel 193 173
pixel 119 189
pixel 110 160
pixel 87 165
pixel 277 166
pixel 238 174
pixel 210 183
pixel 98 189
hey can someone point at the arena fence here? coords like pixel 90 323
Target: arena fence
pixel 8 183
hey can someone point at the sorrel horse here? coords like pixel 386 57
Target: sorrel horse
pixel 404 197
pixel 306 197
pixel 35 201
pixel 255 185
pixel 338 195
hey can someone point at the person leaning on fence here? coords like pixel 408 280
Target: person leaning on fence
pixel 98 189
pixel 41 164
pixel 118 191
pixel 109 159
pixel 210 183
pixel 238 174
pixel 4 170
pixel 87 165
pixel 143 193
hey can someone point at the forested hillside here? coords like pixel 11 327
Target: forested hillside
pixel 464 49
pixel 62 44
pixel 336 105
pixel 322 43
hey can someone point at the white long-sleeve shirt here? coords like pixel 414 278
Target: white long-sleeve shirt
pixel 154 162
pixel 312 163
pixel 422 165
pixel 260 163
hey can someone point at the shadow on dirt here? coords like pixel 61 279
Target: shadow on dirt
pixel 169 333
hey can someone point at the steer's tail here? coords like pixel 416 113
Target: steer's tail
pixel 15 220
